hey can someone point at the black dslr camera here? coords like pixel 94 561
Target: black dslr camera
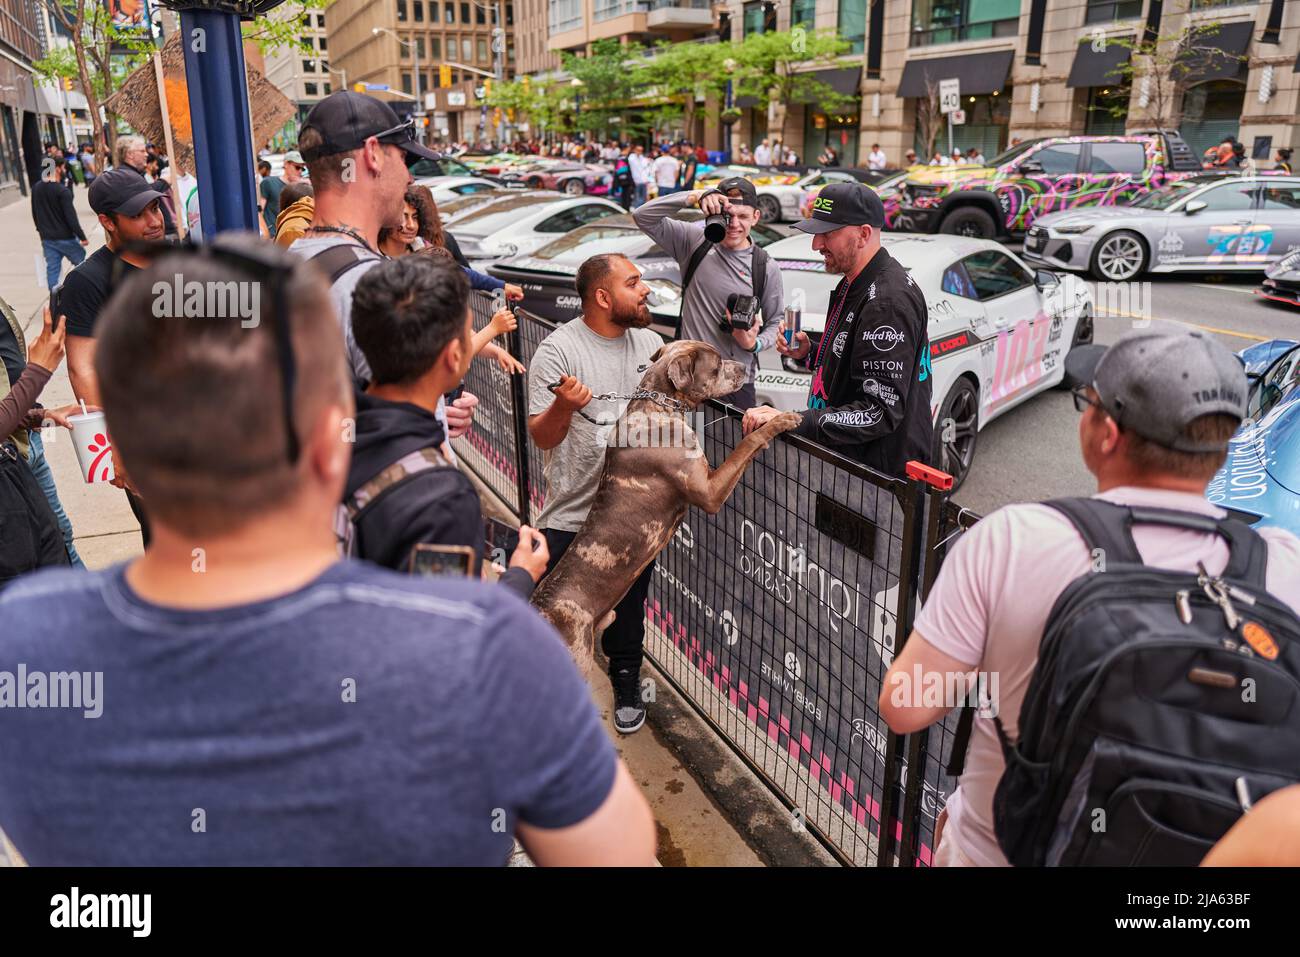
pixel 742 309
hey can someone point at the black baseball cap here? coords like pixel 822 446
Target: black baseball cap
pixel 844 204
pixel 345 120
pixel 1157 383
pixel 748 195
pixel 121 190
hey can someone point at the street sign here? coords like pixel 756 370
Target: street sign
pixel 949 95
pixel 431 101
pixel 455 97
pixel 376 86
pixel 480 92
pixel 958 117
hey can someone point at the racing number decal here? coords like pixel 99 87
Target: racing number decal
pixel 1019 360
pixel 1242 244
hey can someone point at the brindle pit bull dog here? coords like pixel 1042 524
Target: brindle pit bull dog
pixel 654 469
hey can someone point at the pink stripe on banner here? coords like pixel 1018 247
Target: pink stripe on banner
pixel 733 697
pixel 772 730
pixel 785 724
pixel 744 688
pixel 859 813
pixel 762 705
pixel 752 714
pixel 924 856
pixel 806 742
pixel 794 749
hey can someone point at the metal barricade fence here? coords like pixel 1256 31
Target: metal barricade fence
pixel 777 618
pixel 490 448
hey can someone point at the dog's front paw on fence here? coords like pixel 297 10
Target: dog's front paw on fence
pixel 787 421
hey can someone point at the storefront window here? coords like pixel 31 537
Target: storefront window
pixel 840 131
pixel 803 12
pixel 987 121
pixel 1107 110
pixel 948 21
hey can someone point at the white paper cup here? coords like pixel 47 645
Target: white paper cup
pixel 94 448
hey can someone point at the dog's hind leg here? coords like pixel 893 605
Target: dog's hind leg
pixel 575 625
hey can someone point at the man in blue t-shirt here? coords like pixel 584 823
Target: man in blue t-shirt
pixel 238 695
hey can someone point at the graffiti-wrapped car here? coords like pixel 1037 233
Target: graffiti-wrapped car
pixel 1042 176
pixel 1282 280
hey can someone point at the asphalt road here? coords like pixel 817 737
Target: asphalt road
pixel 1032 452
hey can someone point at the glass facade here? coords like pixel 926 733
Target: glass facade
pixel 1104 11
pixel 948 21
pixel 564 15
pixel 803 12
pixel 853 23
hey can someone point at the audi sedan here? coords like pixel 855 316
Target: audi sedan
pixel 998 332
pixel 1208 222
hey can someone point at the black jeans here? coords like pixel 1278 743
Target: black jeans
pixel 743 398
pixel 622 640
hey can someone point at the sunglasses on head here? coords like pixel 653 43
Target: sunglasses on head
pixel 263 264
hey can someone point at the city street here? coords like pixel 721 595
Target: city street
pixel 1032 452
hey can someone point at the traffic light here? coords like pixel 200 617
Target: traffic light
pixel 67 83
pixel 487 88
pixel 444 76
pixel 496 116
pixel 526 84
pixel 426 122
pixel 359 87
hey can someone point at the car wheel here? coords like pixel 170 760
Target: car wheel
pixel 1119 256
pixel 573 187
pixel 969 221
pixel 770 208
pixel 534 182
pixel 1082 337
pixel 954 448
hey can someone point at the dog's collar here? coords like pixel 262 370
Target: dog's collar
pixel 658 398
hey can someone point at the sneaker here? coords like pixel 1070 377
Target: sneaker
pixel 629 710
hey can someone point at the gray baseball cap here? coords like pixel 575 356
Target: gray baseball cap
pixel 1156 383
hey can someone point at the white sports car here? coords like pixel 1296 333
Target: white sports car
pixel 447 188
pixel 524 221
pixel 998 330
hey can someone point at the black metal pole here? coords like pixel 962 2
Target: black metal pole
pixel 519 401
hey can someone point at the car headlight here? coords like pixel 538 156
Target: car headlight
pixel 663 292
pixel 1074 226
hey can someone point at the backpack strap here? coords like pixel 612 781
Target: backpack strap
pixel 697 257
pixel 758 273
pixel 407 467
pixel 1101 525
pixel 338 260
pixel 1109 526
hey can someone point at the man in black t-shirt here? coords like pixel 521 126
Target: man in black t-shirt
pixel 129 210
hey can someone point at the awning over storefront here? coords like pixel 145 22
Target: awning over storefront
pixel 1099 67
pixel 1221 55
pixel 843 81
pixel 979 73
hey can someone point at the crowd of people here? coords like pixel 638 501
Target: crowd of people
pixel 276 660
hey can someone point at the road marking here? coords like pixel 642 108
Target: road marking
pixel 1190 325
pixel 1239 291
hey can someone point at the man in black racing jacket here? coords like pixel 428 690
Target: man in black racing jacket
pixel 870 395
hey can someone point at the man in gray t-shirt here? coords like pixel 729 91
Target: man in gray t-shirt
pixel 727 269
pixel 606 350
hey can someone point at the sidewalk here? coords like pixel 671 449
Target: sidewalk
pixel 106 531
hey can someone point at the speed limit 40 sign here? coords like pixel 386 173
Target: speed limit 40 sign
pixel 949 95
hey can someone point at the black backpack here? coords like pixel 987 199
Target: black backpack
pixel 1163 704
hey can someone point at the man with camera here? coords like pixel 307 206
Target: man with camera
pixel 727 280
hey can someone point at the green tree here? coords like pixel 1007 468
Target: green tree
pixel 775 68
pixel 608 84
pixel 102 55
pixel 1161 68
pixel 677 75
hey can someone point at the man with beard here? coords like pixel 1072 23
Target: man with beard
pixel 130 211
pixel 870 393
pixel 603 352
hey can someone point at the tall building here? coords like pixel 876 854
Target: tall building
pixel 1025 67
pixel 304 76
pixel 26 118
pixel 456 33
pixel 1033 68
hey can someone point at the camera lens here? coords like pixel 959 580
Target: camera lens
pixel 715 227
